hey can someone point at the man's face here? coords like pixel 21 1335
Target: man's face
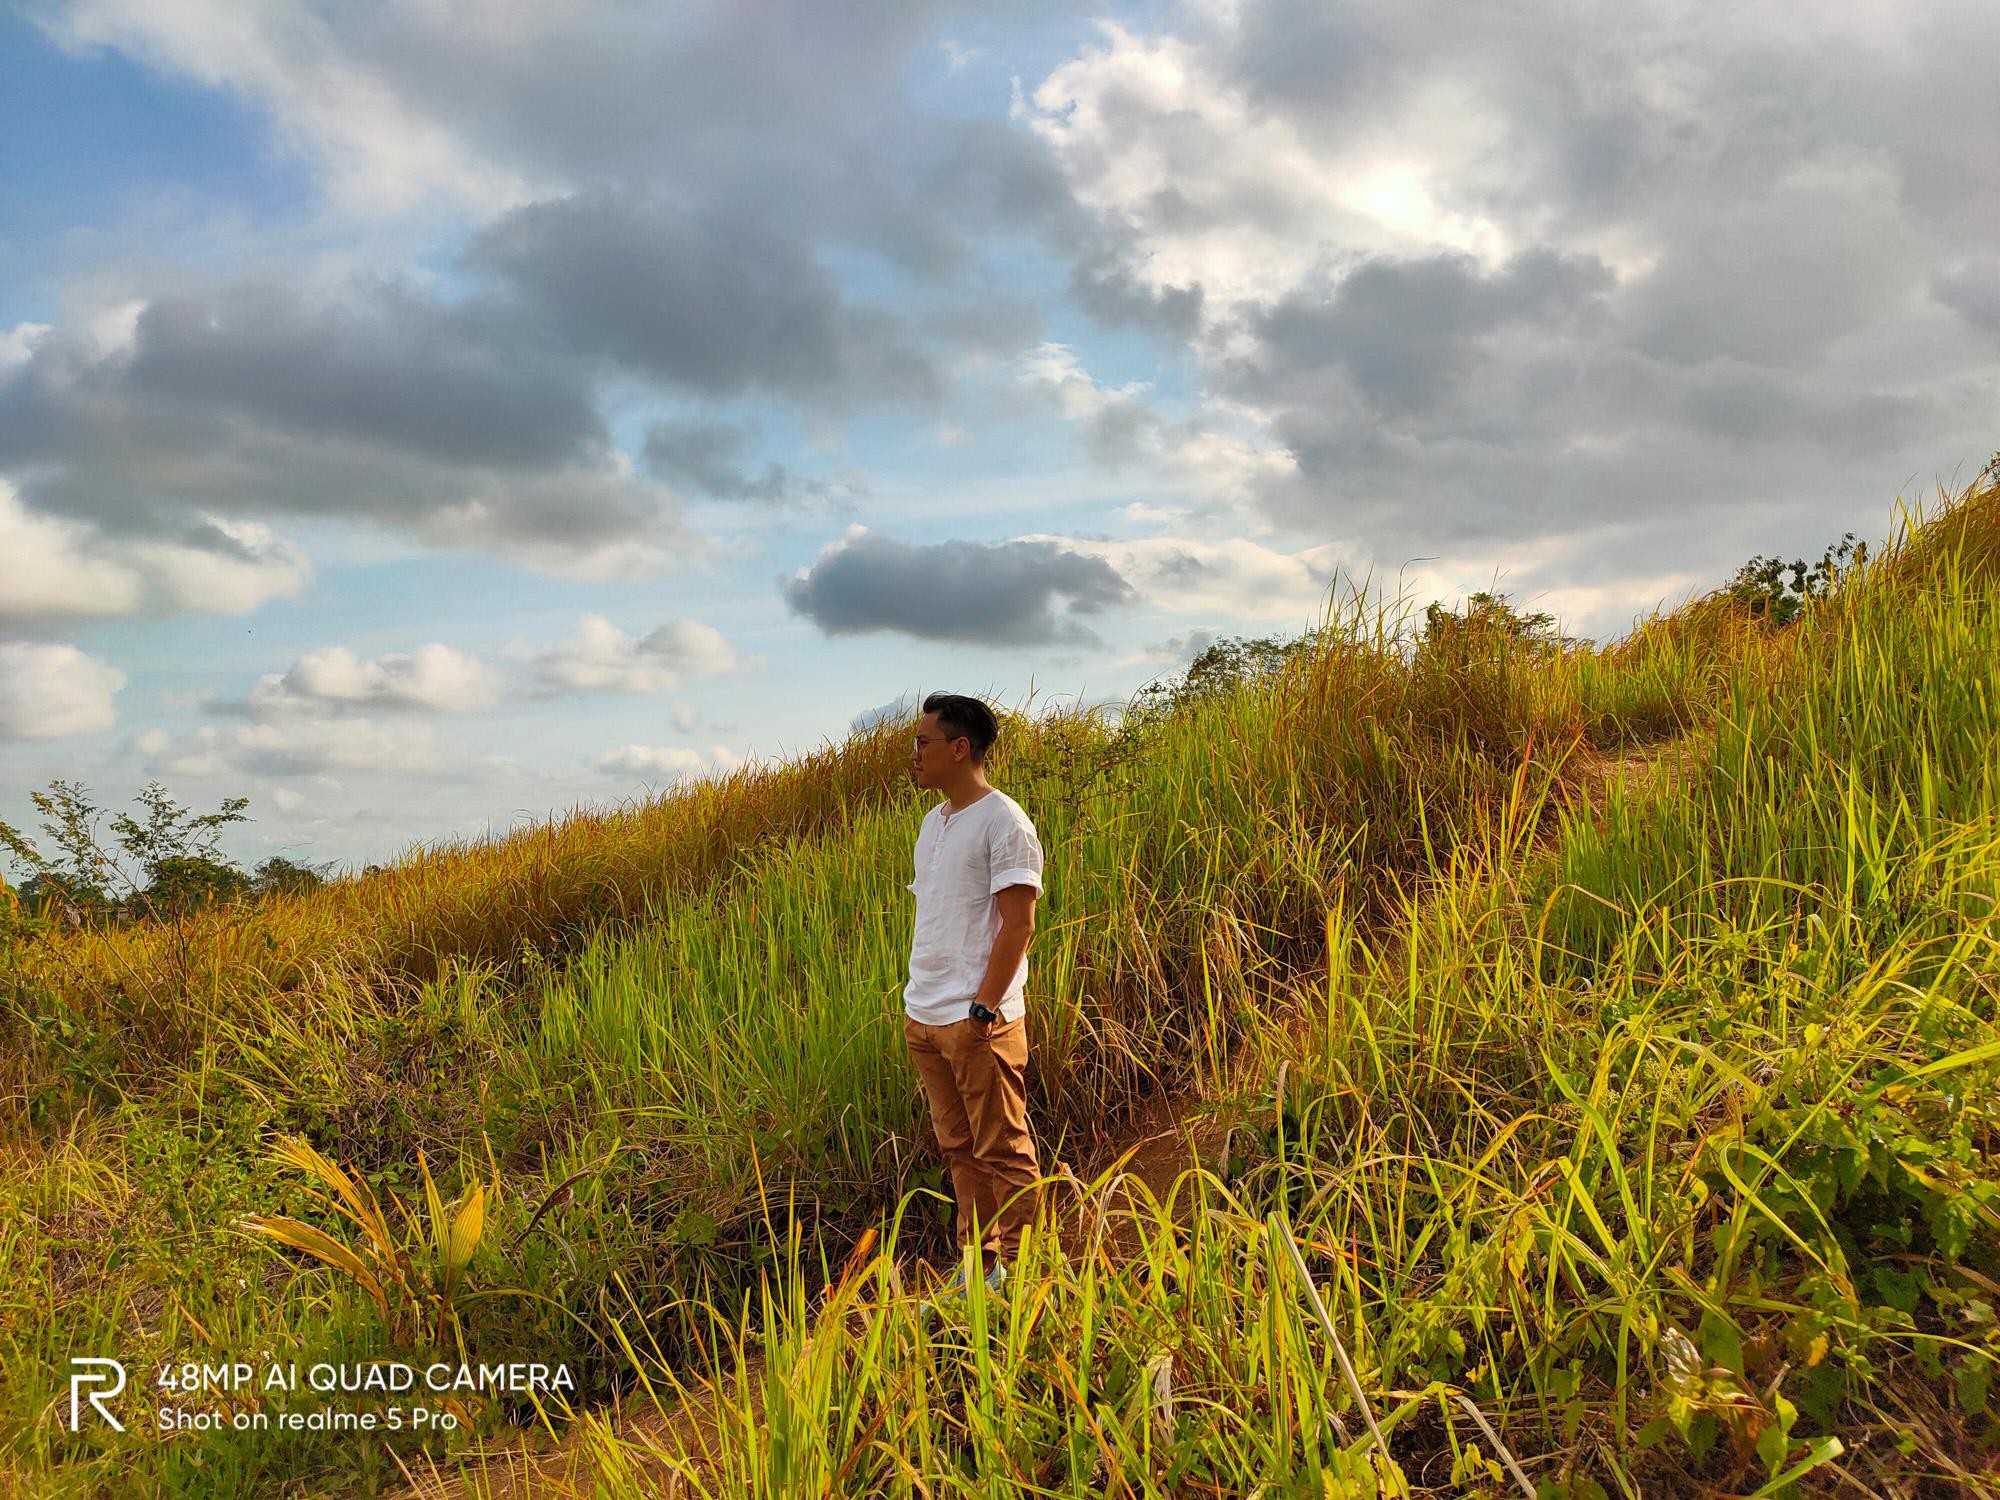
pixel 931 755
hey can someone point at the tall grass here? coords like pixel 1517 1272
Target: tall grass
pixel 654 1028
pixel 330 961
pixel 1671 1154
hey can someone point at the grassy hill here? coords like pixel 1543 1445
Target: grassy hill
pixel 1612 1134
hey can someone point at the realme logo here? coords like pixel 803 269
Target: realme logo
pixel 90 1371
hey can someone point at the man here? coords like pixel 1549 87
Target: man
pixel 978 873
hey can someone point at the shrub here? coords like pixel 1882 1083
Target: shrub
pixel 1761 587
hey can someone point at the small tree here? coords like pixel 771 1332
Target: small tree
pixel 1761 586
pixel 171 859
pixel 1487 615
pixel 16 920
pixel 73 882
pixel 280 876
pixel 1233 659
pixel 177 852
pixel 182 882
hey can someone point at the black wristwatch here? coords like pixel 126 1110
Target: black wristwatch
pixel 981 1013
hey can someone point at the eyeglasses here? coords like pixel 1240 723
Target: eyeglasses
pixel 921 741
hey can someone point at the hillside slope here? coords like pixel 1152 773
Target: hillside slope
pixel 1651 1127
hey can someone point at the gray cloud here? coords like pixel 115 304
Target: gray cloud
pixel 902 706
pixel 1972 291
pixel 385 369
pixel 673 182
pixel 1103 284
pixel 1000 593
pixel 251 398
pixel 1297 54
pixel 1588 122
pixel 1732 295
pixel 707 456
pixel 1117 434
pixel 1181 650
pixel 621 86
pixel 1801 315
pixel 1776 278
pixel 1405 331
pixel 787 103
pixel 442 383
pixel 718 304
pixel 1182 569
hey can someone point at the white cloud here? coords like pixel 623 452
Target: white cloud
pixel 1222 470
pixel 902 706
pixel 1240 581
pixel 1531 574
pixel 598 657
pixel 1527 275
pixel 1214 461
pixel 655 541
pixel 379 152
pixel 1231 575
pixel 58 569
pixel 634 560
pixel 49 690
pixel 1235 198
pixel 294 747
pixel 434 677
pixel 1154 515
pixel 261 566
pixel 115 327
pixel 46 571
pixel 668 762
pixel 1055 368
pixel 17 345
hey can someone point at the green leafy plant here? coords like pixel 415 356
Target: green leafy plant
pixel 411 1263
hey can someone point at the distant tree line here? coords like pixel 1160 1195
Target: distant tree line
pixel 163 864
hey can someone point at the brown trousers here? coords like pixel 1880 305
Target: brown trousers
pixel 976 1073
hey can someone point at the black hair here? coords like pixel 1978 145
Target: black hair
pixel 960 715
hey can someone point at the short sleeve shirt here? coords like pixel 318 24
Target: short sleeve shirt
pixel 963 861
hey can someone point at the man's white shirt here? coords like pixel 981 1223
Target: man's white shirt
pixel 963 861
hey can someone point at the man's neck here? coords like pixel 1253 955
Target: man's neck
pixel 965 796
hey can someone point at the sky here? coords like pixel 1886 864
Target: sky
pixel 427 419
